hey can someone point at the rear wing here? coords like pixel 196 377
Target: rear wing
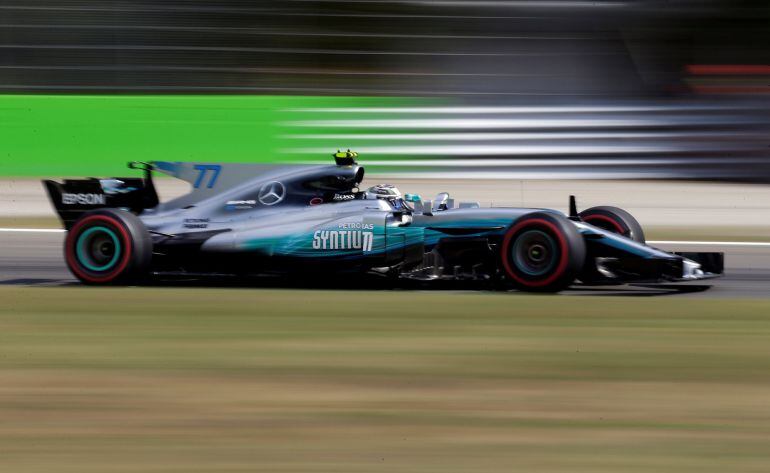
pixel 73 197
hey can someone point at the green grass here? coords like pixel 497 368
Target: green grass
pixel 163 379
pixel 74 135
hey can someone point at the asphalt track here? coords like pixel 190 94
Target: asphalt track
pixel 34 258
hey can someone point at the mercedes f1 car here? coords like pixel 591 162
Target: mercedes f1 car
pixel 248 219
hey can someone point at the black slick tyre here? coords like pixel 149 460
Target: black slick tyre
pixel 614 220
pixel 108 246
pixel 542 252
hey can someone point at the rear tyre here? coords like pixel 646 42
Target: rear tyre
pixel 614 220
pixel 108 246
pixel 542 252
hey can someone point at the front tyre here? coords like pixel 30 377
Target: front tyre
pixel 614 220
pixel 542 252
pixel 108 246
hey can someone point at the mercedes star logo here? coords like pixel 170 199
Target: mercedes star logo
pixel 272 193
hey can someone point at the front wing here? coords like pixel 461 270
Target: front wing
pixel 677 267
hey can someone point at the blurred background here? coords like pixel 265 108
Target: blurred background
pixel 659 107
pixel 509 88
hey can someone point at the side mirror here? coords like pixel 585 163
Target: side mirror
pixel 441 202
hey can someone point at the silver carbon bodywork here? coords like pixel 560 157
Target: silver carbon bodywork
pixel 250 219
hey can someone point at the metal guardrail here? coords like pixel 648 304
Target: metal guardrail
pixel 641 140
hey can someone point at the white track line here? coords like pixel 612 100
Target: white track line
pixel 651 242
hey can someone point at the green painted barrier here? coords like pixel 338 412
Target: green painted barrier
pixel 71 135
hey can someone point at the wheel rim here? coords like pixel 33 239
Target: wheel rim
pixel 98 249
pixel 534 253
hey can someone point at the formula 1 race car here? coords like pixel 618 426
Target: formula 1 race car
pixel 248 219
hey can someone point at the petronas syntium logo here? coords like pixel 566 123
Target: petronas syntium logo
pixel 343 240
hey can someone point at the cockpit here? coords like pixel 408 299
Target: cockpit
pixel 343 186
pixel 389 193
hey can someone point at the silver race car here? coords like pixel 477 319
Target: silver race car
pixel 246 220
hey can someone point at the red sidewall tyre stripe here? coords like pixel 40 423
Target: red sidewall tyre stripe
pixel 607 219
pixel 71 256
pixel 564 252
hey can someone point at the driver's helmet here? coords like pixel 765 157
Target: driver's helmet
pixel 383 191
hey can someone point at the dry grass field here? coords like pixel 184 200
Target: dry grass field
pixel 236 380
